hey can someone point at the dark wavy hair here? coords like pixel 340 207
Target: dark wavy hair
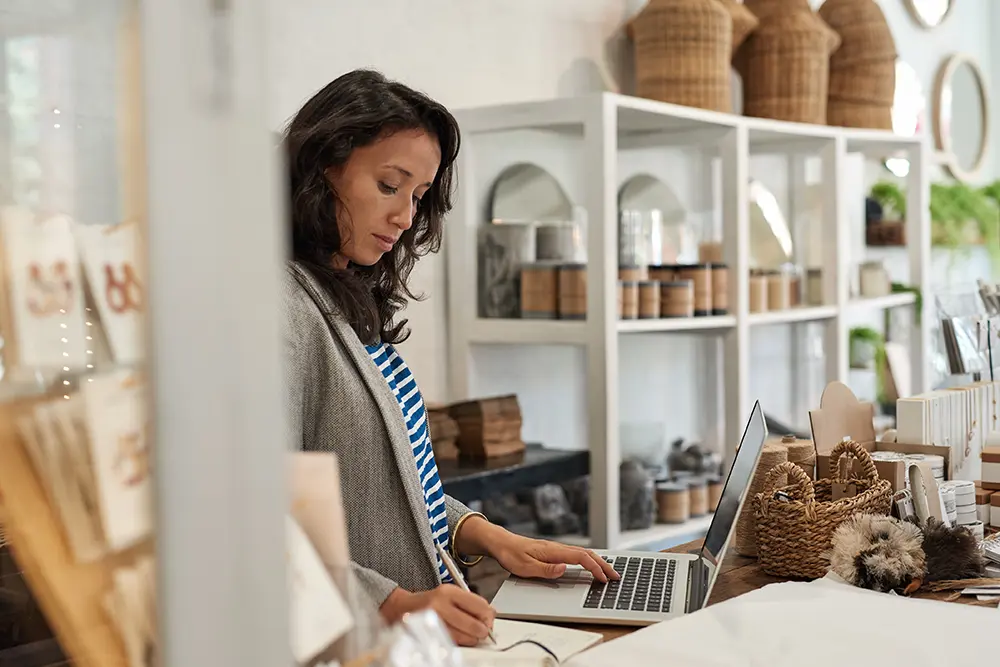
pixel 355 110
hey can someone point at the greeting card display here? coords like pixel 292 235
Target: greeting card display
pixel 54 436
pixel 44 300
pixel 109 254
pixel 118 427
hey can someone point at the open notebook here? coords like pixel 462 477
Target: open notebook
pixel 528 645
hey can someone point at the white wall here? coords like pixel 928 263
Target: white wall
pixel 478 52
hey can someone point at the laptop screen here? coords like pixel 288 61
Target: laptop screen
pixel 736 486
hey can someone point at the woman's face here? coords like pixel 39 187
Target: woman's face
pixel 378 190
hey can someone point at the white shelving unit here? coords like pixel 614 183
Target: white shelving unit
pixel 598 133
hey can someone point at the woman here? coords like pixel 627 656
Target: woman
pixel 371 166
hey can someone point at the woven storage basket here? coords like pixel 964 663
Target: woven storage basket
pixel 849 114
pixel 863 69
pixel 682 53
pixel 792 535
pixel 785 63
pixel 744 22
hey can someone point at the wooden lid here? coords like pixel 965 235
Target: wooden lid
pixel 995 500
pixel 983 496
pixel 991 454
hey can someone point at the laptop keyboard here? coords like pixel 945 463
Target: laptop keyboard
pixel 645 585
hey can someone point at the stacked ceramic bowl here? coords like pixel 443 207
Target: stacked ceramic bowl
pixel 961 495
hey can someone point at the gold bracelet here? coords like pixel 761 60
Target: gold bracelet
pixel 454 540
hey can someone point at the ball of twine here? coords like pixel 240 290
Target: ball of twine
pixel 771 455
pixel 803 454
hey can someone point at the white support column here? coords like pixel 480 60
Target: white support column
pixel 462 273
pixel 600 162
pixel 216 344
pixel 796 166
pixel 712 360
pixel 835 251
pixel 918 242
pixel 735 153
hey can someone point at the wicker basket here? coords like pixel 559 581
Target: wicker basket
pixel 682 53
pixel 744 22
pixel 785 63
pixel 792 535
pixel 863 69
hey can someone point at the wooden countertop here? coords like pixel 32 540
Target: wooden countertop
pixel 740 575
pixel 737 576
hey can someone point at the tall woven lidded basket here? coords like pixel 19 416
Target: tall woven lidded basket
pixel 682 53
pixel 785 63
pixel 744 22
pixel 795 533
pixel 863 69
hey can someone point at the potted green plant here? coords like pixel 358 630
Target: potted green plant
pixel 961 215
pixel 891 198
pixel 918 298
pixel 885 219
pixel 867 350
pixel 864 343
pixel 991 228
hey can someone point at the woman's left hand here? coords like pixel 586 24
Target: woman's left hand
pixel 531 558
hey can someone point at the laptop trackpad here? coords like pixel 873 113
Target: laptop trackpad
pixel 570 579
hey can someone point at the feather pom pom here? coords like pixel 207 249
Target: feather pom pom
pixel 879 553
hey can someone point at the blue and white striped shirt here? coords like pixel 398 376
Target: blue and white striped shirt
pixel 404 387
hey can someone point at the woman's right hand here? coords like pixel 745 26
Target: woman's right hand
pixel 468 617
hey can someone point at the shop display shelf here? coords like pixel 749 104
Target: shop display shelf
pixel 536 465
pixel 591 145
pixel 801 314
pixel 662 536
pixel 766 134
pixel 883 302
pixel 715 323
pixel 657 537
pixel 501 331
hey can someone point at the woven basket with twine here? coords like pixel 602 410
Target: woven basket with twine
pixel 785 63
pixel 682 53
pixel 793 533
pixel 863 69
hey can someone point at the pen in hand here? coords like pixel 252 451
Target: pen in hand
pixel 456 575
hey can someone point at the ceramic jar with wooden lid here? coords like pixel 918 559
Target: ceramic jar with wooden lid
pixel 539 291
pixel 573 291
pixel 700 276
pixel 677 298
pixel 673 502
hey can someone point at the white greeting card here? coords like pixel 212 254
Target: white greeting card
pixel 45 299
pixel 119 433
pixel 109 255
pixel 58 465
pixel 319 614
pixel 131 604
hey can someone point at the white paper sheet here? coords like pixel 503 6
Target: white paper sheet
pixel 513 640
pixel 794 624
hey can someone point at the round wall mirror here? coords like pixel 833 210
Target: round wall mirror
pixel 961 116
pixel 908 110
pixel 770 235
pixel 527 193
pixel 930 13
pixel 652 216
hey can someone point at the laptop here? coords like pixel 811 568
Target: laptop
pixel 653 587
